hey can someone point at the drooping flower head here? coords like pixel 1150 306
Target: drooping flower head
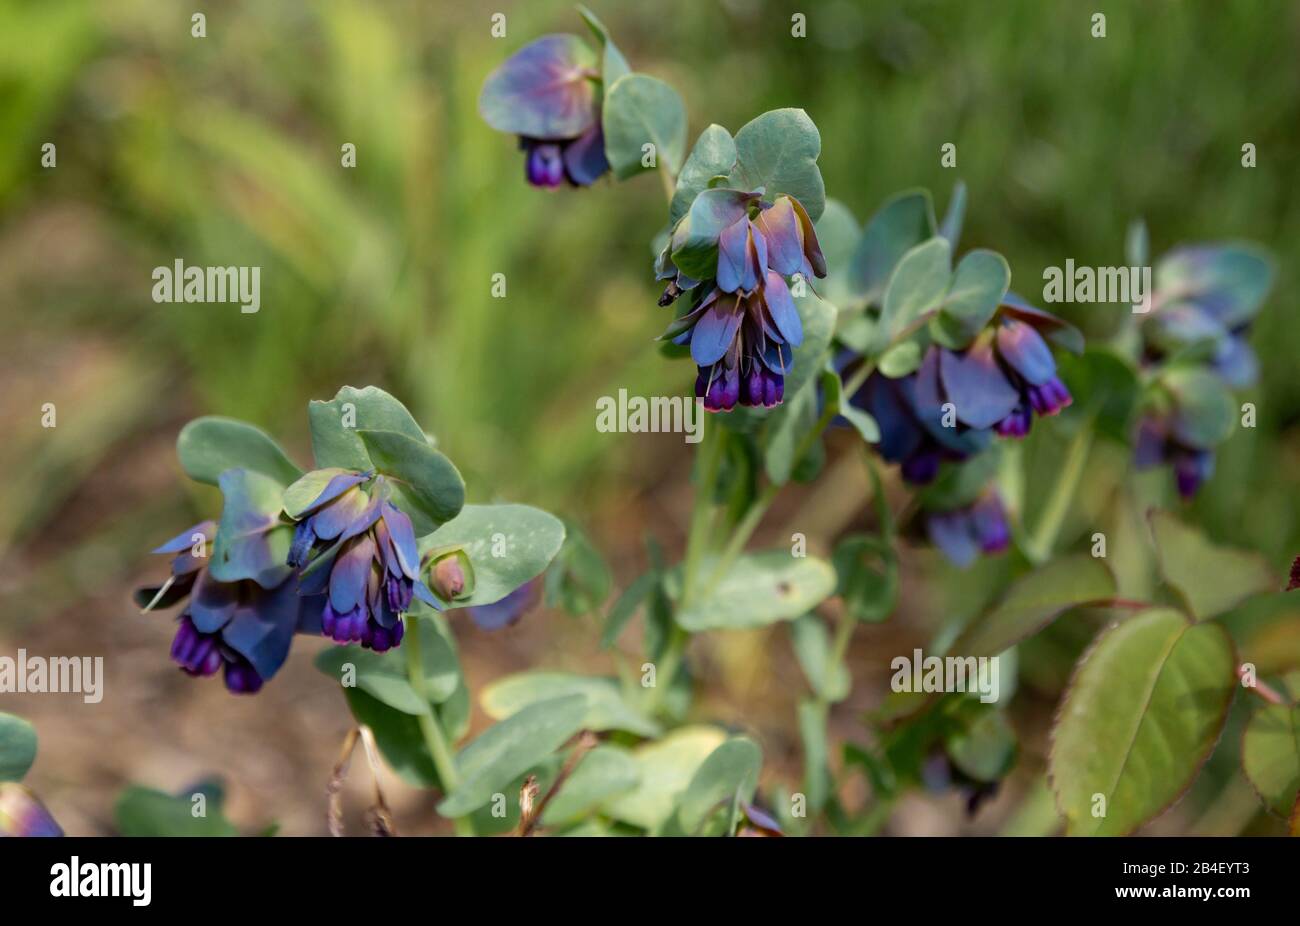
pixel 964 533
pixel 366 564
pixel 510 609
pixel 1194 341
pixel 239 628
pixel 949 408
pixel 546 93
pixel 734 254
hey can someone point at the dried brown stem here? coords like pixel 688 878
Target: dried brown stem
pixel 532 810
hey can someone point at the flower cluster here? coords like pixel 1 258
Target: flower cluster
pixel 741 322
pixel 966 532
pixel 545 93
pixel 1205 298
pixel 952 405
pixel 239 628
pixel 367 566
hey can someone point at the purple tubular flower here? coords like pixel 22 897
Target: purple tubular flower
pixel 1157 444
pixel 239 627
pixel 510 609
pixel 23 815
pixel 742 324
pixel 962 534
pixel 368 565
pixel 545 94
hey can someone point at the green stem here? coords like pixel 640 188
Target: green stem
pixel 710 462
pixel 430 726
pixel 1039 548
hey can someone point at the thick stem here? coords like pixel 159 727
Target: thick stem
pixel 430 725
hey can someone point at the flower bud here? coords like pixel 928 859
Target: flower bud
pixel 450 577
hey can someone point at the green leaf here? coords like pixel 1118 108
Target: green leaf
pixel 983 746
pixel 1211 579
pixel 916 287
pixel 603 773
pixel 1236 278
pixel 398 736
pixel 1034 601
pixel 17 747
pixel 833 396
pixel 665 769
pixel 640 110
pixel 1204 410
pixel 606 708
pixel 384 676
pixel 729 773
pixel 252 541
pixel 714 155
pixel 1141 716
pixel 334 425
pixel 146 812
pixel 579 580
pixel 816 764
pixel 867 571
pixel 901 359
pixel 902 223
pixel 778 152
pixel 950 228
pixel 789 422
pixel 978 285
pixel 838 233
pixel 507 749
pixel 626 606
pixel 613 64
pixel 507 545
pixel 425 483
pixel 812 646
pixel 1270 756
pixel 209 446
pixel 760 589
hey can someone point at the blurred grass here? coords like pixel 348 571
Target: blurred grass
pixel 226 150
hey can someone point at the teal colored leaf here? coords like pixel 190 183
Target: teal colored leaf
pixel 626 607
pixel 833 396
pixel 812 647
pixel 606 707
pixel 902 223
pixel 252 541
pixel 665 768
pixel 146 812
pixel 978 285
pixel 760 589
pixel 728 776
pixel 640 110
pixel 398 736
pixel 426 485
pixel 613 64
pixel 789 422
pixel 816 752
pixel 1270 756
pixel 950 227
pixel 714 155
pixel 334 425
pixel 507 545
pixel 209 446
pixel 901 359
pixel 982 745
pixel 1034 601
pixel 17 747
pixel 384 676
pixel 1209 578
pixel 867 572
pixel 917 287
pixel 1204 410
pixel 1142 714
pixel 603 773
pixel 1232 278
pixel 509 748
pixel 837 233
pixel 778 151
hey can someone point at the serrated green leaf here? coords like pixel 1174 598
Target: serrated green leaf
pixel 1141 716
pixel 1034 601
pixel 1270 756
pixel 1211 579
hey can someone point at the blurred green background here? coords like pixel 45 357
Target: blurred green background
pixel 225 150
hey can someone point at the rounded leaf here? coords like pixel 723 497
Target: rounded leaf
pixel 641 110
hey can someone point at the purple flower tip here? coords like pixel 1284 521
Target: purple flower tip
pixel 543 163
